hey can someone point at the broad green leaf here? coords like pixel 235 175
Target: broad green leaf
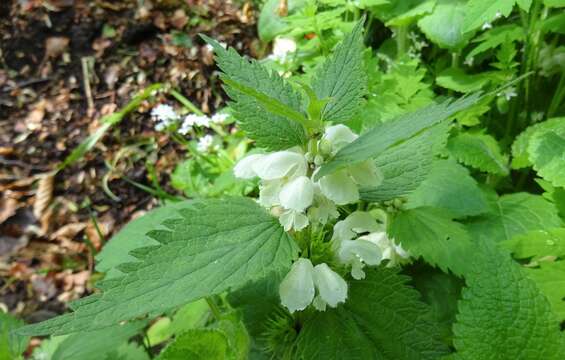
pixel 198 344
pixel 457 80
pixel 11 345
pixel 47 348
pixel 342 79
pixel 555 23
pixel 214 246
pixel 271 23
pixel 547 153
pixel 450 187
pixel 402 12
pixel 479 12
pixel 269 129
pixel 549 276
pixel 480 151
pixel 129 351
pixel 134 236
pixel 431 233
pixel 383 318
pixel 503 315
pixel 537 244
pixel 554 3
pixel 512 215
pixel 383 136
pixel 521 144
pixel 406 165
pixel 496 37
pixel 444 25
pixel 238 339
pixel 95 345
pixel 409 17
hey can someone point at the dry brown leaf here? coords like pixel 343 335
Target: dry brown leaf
pixel 55 46
pixel 8 207
pixel 43 195
pixel 35 117
pixel 179 19
pixel 68 231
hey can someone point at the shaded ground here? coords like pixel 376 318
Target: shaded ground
pixel 63 65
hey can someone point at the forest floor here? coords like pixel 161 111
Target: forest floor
pixel 64 64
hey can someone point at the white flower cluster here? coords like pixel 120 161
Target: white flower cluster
pixel 288 187
pixel 371 248
pixel 164 116
pixel 282 49
pixel 192 120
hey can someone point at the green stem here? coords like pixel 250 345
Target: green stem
pixel 401 40
pixel 186 103
pixel 214 308
pixel 557 97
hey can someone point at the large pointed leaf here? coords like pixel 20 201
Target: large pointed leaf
pixel 215 245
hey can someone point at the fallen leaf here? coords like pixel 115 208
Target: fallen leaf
pixel 43 195
pixel 55 46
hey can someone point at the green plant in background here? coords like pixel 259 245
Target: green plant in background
pixel 410 199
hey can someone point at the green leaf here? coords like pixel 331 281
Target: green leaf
pixel 547 153
pixel 198 344
pixel 128 351
pixel 94 345
pixel 11 345
pixel 503 315
pixel 444 25
pixel 409 17
pixel 457 80
pixel 495 37
pixel 537 244
pixel 134 236
pixel 512 215
pixel 271 23
pixel 450 187
pixel 383 318
pixel 521 145
pixel 555 23
pixel 554 3
pixel 255 114
pixel 478 12
pixel 215 246
pixel 380 138
pixel 342 78
pixel 480 151
pixel 549 276
pixel 431 233
pixel 406 165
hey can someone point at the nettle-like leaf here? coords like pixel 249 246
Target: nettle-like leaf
pixel 503 315
pixel 383 318
pixel 198 344
pixel 407 164
pixel 480 151
pixel 265 105
pixel 444 26
pixel 495 37
pixel 432 234
pixel 547 153
pixel 342 78
pixel 214 246
pixel 457 80
pixel 393 132
pixel 521 145
pixel 450 187
pixel 512 215
pixel 478 12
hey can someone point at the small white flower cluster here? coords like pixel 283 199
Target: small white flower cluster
pixel 282 49
pixel 288 187
pixel 192 120
pixel 371 248
pixel 508 93
pixel 164 116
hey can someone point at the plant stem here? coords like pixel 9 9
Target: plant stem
pixel 214 308
pixel 186 103
pixel 401 36
pixel 557 97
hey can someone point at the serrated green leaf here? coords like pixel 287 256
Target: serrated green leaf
pixel 512 215
pixel 382 319
pixel 269 129
pixel 380 138
pixel 342 78
pixel 444 25
pixel 478 12
pixel 128 351
pixel 134 236
pixel 496 37
pixel 547 153
pixel 216 245
pixel 537 244
pixel 549 276
pixel 503 315
pixel 11 345
pixel 520 146
pixel 457 80
pixel 450 187
pixel 431 233
pixel 406 165
pixel 480 151
pixel 198 344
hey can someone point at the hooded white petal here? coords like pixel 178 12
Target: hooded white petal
pixel 280 164
pixel 244 168
pixel 292 219
pixel 390 251
pixel 297 194
pixel 339 136
pixel 331 287
pixel 364 250
pixel 297 288
pixel 269 192
pixel 339 188
pixel 323 210
pixel 366 173
pixel 357 222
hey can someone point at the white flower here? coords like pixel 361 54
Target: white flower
pixel 297 194
pixel 219 118
pixel 244 169
pixel 486 26
pixel 508 93
pixel 357 253
pixel 390 251
pixel 280 164
pixel 469 61
pixel 292 219
pixel 282 47
pixel 205 143
pixel 196 120
pixel 185 128
pixel 356 223
pixel 498 15
pixel 338 136
pixel 339 187
pixel 299 286
pixel 164 113
pixel 323 209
